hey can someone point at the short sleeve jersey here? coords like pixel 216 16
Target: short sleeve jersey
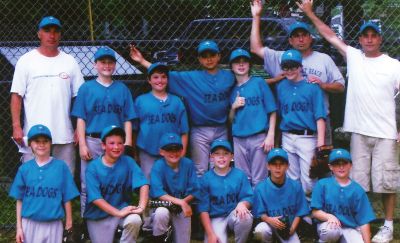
pixel 43 190
pixel 206 95
pixel 113 184
pixel 178 183
pixel 219 195
pixel 157 117
pixel 252 118
pixel 102 106
pixel 300 105
pixel 349 203
pixel 286 201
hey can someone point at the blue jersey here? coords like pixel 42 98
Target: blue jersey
pixel 43 190
pixel 349 203
pixel 286 201
pixel 301 104
pixel 102 106
pixel 113 184
pixel 252 118
pixel 219 195
pixel 207 95
pixel 178 183
pixel 157 117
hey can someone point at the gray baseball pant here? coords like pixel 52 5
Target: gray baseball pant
pixel 264 233
pixel 181 225
pixel 201 138
pixel 103 230
pixel 43 232
pixel 249 156
pixel 345 235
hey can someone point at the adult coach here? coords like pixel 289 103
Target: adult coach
pixel 370 114
pixel 317 67
pixel 45 80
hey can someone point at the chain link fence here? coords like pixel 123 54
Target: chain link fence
pixel 165 31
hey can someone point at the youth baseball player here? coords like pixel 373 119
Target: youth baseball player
pixel 278 201
pixel 225 198
pixel 159 112
pixel 100 103
pixel 173 179
pixel 303 114
pixel 340 204
pixel 253 117
pixel 206 93
pixel 43 188
pixel 110 180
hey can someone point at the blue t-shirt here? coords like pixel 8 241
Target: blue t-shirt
pixel 102 106
pixel 301 104
pixel 43 190
pixel 113 184
pixel 180 183
pixel 252 118
pixel 207 95
pixel 157 117
pixel 349 203
pixel 219 195
pixel 286 201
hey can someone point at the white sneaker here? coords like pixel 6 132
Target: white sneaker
pixel 385 234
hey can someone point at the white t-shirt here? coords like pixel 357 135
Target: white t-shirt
pixel 47 85
pixel 317 64
pixel 370 104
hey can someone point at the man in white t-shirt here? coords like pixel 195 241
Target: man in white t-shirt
pixel 374 78
pixel 318 67
pixel 45 81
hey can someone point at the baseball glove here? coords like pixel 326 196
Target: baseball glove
pixel 284 233
pixel 173 208
pixel 68 236
pixel 319 164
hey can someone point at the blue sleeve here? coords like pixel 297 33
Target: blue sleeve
pixel 193 187
pixel 69 188
pixel 317 198
pixel 184 123
pixel 319 105
pixel 204 204
pixel 138 178
pixel 130 112
pixel 92 185
pixel 363 211
pixel 156 185
pixel 269 99
pixel 246 192
pixel 233 95
pixel 79 109
pixel 17 189
pixel 258 205
pixel 175 82
pixel 302 205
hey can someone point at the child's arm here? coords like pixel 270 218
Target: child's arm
pixel 206 221
pixel 273 221
pixel 108 208
pixel 143 199
pixel 20 233
pixel 185 139
pixel 137 56
pixel 84 151
pixel 128 132
pixel 320 132
pixel 294 225
pixel 366 233
pixel 326 217
pixel 268 143
pixel 239 102
pixel 68 215
pixel 183 203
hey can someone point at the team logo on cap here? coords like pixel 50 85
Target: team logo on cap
pixel 339 152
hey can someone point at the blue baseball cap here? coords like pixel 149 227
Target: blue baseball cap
pixel 171 141
pixel 277 153
pixel 104 52
pixel 298 25
pixel 291 56
pixel 337 154
pixel 239 53
pixel 112 130
pixel 371 25
pixel 221 143
pixel 49 20
pixel 207 45
pixel 39 130
pixel 157 65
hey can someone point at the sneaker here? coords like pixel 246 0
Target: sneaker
pixel 385 234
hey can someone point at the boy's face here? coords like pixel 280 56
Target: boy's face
pixel 278 168
pixel 158 81
pixel 113 146
pixel 41 146
pixel 209 60
pixel 341 169
pixel 301 40
pixel 221 158
pixel 241 66
pixel 105 66
pixel 292 72
pixel 172 156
